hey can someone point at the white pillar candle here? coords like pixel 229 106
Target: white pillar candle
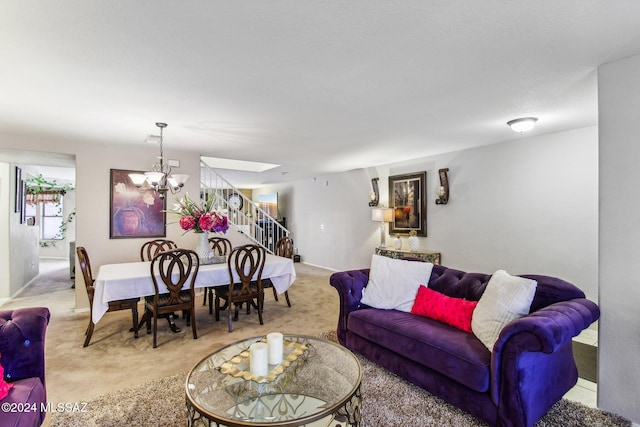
pixel 258 358
pixel 274 341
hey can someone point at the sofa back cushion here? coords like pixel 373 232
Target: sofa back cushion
pixel 471 286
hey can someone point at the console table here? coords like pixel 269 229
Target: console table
pixel 432 257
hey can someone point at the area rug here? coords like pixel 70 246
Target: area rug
pixel 387 401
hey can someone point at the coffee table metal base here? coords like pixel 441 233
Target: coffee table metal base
pixel 347 415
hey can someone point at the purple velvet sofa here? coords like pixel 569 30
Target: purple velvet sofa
pixel 22 333
pixel 531 366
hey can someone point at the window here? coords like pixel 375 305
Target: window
pixel 51 220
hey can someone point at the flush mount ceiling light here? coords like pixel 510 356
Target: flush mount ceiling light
pixel 523 124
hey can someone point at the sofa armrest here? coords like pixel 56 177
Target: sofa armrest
pixel 22 342
pixel 349 285
pixel 540 342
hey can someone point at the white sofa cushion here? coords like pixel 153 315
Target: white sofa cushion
pixel 394 283
pixel 505 299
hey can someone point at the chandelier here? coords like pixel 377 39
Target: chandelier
pixel 159 179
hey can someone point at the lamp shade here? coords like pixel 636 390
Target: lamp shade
pixel 382 214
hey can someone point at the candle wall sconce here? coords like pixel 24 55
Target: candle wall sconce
pixel 374 195
pixel 443 191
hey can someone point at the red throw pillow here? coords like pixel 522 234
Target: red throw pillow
pixel 456 312
pixel 4 386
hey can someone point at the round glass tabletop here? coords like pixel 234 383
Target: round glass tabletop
pixel 318 381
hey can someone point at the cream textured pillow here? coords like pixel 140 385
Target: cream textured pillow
pixel 394 283
pixel 506 298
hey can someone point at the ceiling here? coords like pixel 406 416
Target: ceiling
pixel 314 86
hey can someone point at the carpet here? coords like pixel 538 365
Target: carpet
pixel 586 357
pixel 385 403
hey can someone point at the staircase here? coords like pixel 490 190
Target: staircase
pixel 249 218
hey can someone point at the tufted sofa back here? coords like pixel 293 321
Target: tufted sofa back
pixel 22 334
pixel 459 284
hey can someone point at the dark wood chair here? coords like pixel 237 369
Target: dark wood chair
pixel 246 263
pixel 220 246
pixel 174 269
pixel 284 248
pixel 126 304
pixel 148 251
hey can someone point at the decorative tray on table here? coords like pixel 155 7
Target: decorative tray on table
pixel 238 366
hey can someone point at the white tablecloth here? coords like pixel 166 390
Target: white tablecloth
pixel 133 279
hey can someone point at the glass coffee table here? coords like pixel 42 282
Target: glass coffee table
pixel 317 384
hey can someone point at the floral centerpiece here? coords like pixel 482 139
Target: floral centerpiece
pixel 200 217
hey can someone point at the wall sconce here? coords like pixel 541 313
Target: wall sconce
pixel 443 190
pixel 374 195
pixel 523 124
pixel 383 216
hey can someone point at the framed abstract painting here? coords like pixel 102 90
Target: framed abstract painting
pixel 134 213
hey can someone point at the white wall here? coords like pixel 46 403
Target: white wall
pixel 528 206
pixel 5 201
pixel 93 165
pixel 619 342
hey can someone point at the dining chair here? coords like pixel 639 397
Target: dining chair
pixel 125 304
pixel 148 250
pixel 284 248
pixel 174 269
pixel 246 263
pixel 220 246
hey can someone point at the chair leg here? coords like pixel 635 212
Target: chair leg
pixel 275 294
pixel 217 308
pixel 155 330
pixel 286 295
pixel 204 300
pixel 89 333
pixel 229 320
pixel 210 299
pixel 187 314
pixel 148 313
pixel 260 306
pixel 134 315
pixel 193 323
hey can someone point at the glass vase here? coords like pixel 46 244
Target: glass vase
pixel 203 249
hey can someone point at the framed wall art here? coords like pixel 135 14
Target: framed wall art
pixel 134 213
pixel 408 199
pixel 18 192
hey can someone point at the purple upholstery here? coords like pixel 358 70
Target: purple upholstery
pixel 22 341
pixel 531 366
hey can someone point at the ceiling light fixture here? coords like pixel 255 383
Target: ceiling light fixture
pixel 159 179
pixel 523 124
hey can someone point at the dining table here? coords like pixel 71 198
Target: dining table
pixel 133 279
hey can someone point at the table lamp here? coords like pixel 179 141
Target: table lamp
pixel 383 216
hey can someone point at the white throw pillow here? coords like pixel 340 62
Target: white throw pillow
pixel 506 298
pixel 394 283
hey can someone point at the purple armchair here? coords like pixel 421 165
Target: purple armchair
pixel 22 341
pixel 530 368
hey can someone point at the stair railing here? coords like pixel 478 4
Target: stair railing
pixel 244 215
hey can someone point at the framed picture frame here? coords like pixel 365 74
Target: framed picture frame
pixel 408 199
pixel 18 201
pixel 134 213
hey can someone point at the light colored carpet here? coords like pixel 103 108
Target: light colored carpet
pixel 387 401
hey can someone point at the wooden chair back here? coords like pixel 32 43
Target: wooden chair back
pixel 220 245
pixel 153 247
pixel 175 268
pixel 246 262
pixel 85 266
pixel 284 247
